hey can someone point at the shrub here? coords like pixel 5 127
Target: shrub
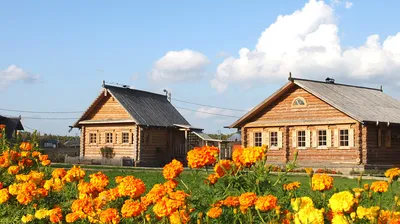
pixel 107 152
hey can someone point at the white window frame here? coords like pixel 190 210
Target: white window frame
pixel 348 138
pixel 297 139
pixel 319 146
pixel 108 136
pixel 275 137
pixel 257 138
pixel 91 134
pixel 127 137
pixel 297 105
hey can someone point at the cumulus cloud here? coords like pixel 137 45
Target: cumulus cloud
pixel 14 74
pixel 307 43
pixel 348 5
pixel 184 65
pixel 207 112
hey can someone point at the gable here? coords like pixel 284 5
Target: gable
pixel 281 111
pixel 108 108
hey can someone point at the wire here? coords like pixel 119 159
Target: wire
pixel 204 112
pixel 204 105
pixel 51 118
pixel 43 112
pixel 30 128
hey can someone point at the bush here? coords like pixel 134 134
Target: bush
pixel 107 152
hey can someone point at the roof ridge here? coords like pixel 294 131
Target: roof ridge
pixel 335 83
pixel 139 90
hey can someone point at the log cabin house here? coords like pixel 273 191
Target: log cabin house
pixel 139 125
pixel 329 124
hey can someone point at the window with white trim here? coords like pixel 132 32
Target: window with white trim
pixel 125 137
pixel 301 138
pixel 257 139
pixel 344 137
pixel 109 137
pixel 92 138
pixel 273 139
pixel 322 138
pixel 299 101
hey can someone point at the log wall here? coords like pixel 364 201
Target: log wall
pixel 108 109
pixel 383 144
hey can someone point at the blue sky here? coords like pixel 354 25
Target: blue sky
pixel 54 55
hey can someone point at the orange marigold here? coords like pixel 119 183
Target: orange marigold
pixel 231 201
pixel 25 146
pixel 132 187
pixel 109 215
pixel 74 174
pixel 200 157
pixel 247 199
pixel 266 203
pixel 13 170
pixel 292 186
pixel 4 195
pixel 222 167
pixel 170 185
pixel 214 212
pixel 172 169
pixel 131 208
pixel 99 180
pixel 212 178
pixel 379 186
pixel 46 162
pixel 393 173
pixel 55 215
pixel 179 217
pixel 82 207
pixel 322 182
pixel 71 217
pixel 58 173
pixel 43 157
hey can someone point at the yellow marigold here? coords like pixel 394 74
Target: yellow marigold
pixel 25 154
pixel 25 146
pixel 247 199
pixel 342 201
pixel 212 178
pixel 357 192
pixel 301 203
pixel 71 217
pixel 368 213
pixel 109 215
pixel 214 212
pixel 237 156
pixel 59 173
pixel 54 184
pixel 74 174
pixel 231 201
pixel 99 180
pixel 339 219
pixel 366 187
pixel 266 203
pixel 41 213
pixel 27 218
pixel 393 173
pixel 13 170
pixel 379 186
pixel 46 162
pixel 222 167
pixel 309 215
pixel 132 187
pixel 200 157
pixel 292 186
pixel 131 208
pixel 170 185
pixel 4 195
pixel 179 217
pixel 172 169
pixel 322 182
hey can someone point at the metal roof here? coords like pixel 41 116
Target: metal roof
pixel 147 108
pixel 12 124
pixel 360 103
pixel 237 137
pixel 206 137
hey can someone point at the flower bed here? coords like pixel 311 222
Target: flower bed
pixel 240 190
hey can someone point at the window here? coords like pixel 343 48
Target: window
pixel 273 139
pixel 299 101
pixel 92 138
pixel 257 139
pixel 301 139
pixel 109 138
pixel 322 138
pixel 125 137
pixel 344 137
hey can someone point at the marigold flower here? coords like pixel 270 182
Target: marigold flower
pixel 109 215
pixel 74 174
pixel 41 213
pixel 25 146
pixel 13 170
pixel 2 126
pixel 36 154
pixel 212 178
pixel 393 173
pixel 46 162
pixel 172 169
pixel 71 217
pixel 27 218
pixel 231 201
pixel 339 219
pixel 4 195
pixel 82 207
pixel 99 180
pixel 247 199
pixel 292 186
pixel 59 173
pixel 301 203
pixel 179 217
pixel 309 215
pixel 25 154
pixel 131 208
pixel 222 167
pixel 322 182
pixel 379 186
pixel 164 207
pixel 368 213
pixel 170 185
pixel 200 157
pixel 156 193
pixel 132 187
pixel 266 203
pixel 214 212
pixel 55 215
pixel 342 201
pixel 43 157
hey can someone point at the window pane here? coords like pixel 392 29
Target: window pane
pixel 301 138
pixel 274 139
pixel 257 139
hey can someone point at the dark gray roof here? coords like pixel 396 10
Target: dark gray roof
pixel 237 137
pixel 12 124
pixel 360 103
pixel 204 136
pixel 147 108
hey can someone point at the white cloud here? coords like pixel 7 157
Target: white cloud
pixel 184 65
pixel 14 74
pixel 307 44
pixel 348 5
pixel 207 112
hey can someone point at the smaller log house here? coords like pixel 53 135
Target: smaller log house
pixel 327 123
pixel 13 124
pixel 139 125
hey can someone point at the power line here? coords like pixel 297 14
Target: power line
pixel 51 118
pixel 204 112
pixel 204 105
pixel 30 128
pixel 42 112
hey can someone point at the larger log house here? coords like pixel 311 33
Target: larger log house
pixel 140 125
pixel 327 123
